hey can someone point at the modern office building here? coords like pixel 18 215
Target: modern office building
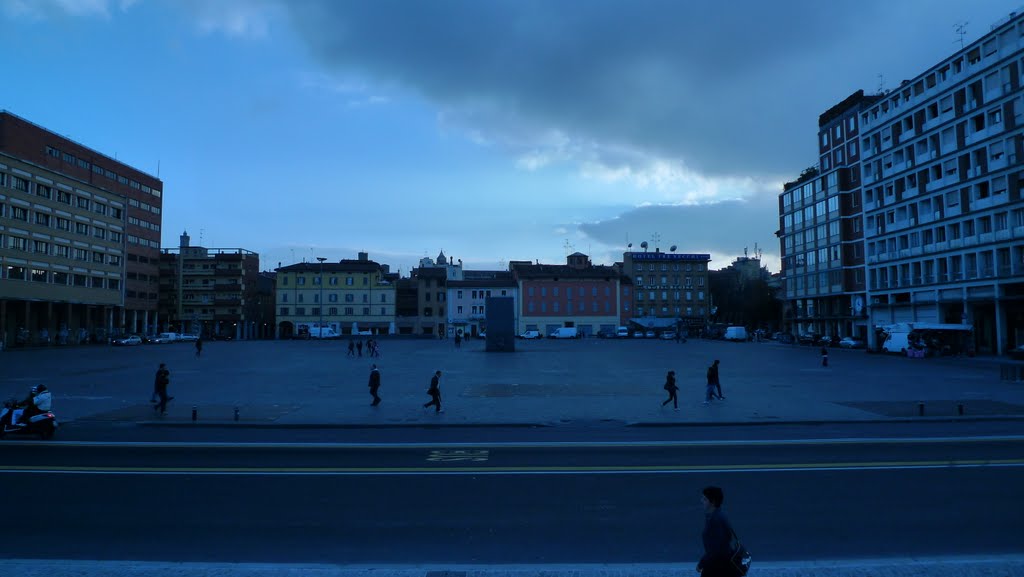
pixel 210 292
pixel 821 232
pixel 349 296
pixel 929 174
pixel 90 248
pixel 670 289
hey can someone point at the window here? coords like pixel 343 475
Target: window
pixel 81 228
pixel 83 202
pixel 17 243
pixel 40 247
pixel 349 282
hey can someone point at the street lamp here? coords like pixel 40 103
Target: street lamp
pixel 321 259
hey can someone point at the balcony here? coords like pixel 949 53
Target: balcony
pixel 234 287
pixel 227 302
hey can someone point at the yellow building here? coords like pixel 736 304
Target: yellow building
pixel 347 296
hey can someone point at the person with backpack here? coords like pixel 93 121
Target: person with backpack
pixel 718 538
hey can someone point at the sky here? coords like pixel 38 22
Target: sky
pixel 493 130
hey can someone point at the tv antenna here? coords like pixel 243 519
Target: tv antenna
pixel 881 83
pixel 568 247
pixel 656 238
pixel 960 29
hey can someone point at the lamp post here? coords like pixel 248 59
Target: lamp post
pixel 321 332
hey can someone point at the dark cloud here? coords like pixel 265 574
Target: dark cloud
pixel 723 228
pixel 727 87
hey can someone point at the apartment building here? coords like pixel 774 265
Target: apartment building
pixel 349 296
pixel 60 159
pixel 914 211
pixel 670 290
pixel 210 292
pixel 576 294
pixel 943 216
pixel 467 298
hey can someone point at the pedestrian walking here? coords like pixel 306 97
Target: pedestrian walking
pixel 714 388
pixel 359 347
pixel 824 356
pixel 458 340
pixel 374 385
pixel 670 386
pixel 435 392
pixel 351 348
pixel 199 346
pixel 717 537
pixel 163 378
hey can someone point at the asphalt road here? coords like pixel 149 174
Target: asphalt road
pixel 502 503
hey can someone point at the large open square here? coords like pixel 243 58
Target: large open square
pixel 544 382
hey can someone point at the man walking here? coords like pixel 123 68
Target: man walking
pixel 199 346
pixel 374 385
pixel 435 392
pixel 713 384
pixel 359 347
pixel 163 378
pixel 352 348
pixel 670 386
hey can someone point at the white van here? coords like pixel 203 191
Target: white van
pixel 896 342
pixel 164 338
pixel 565 333
pixel 735 334
pixel 323 333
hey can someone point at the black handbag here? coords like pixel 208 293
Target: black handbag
pixel 740 557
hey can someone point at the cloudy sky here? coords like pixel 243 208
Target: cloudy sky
pixel 495 130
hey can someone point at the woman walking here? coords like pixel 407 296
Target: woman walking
pixel 670 386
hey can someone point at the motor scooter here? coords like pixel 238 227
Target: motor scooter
pixel 43 424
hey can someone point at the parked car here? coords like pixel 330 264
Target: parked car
pixel 668 335
pixel 165 338
pixel 650 335
pixel 807 339
pixel 531 335
pixel 785 338
pixel 129 341
pixel 606 334
pixel 638 335
pixel 622 333
pixel 851 343
pixel 188 337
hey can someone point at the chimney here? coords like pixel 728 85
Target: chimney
pixel 364 256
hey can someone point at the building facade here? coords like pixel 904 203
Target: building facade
pixel 577 294
pixel 941 160
pixel 349 296
pixel 927 224
pixel 670 290
pixel 62 257
pixel 93 172
pixel 467 298
pixel 210 292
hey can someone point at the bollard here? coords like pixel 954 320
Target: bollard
pixel 236 414
pixel 960 409
pixel 920 409
pixel 195 413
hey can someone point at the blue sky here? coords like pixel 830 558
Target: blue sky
pixel 496 131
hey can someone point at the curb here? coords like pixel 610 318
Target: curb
pixel 220 424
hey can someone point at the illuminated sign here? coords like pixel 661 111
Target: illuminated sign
pixel 667 256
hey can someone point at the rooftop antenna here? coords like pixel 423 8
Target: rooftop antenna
pixel 881 83
pixel 656 238
pixel 201 236
pixel 960 29
pixel 643 245
pixel 293 256
pixel 158 168
pixel 568 247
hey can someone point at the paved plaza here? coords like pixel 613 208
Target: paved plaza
pixel 545 382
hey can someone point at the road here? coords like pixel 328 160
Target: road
pixel 511 502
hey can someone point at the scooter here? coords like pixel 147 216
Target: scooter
pixel 43 424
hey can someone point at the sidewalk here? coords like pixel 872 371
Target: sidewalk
pixel 549 383
pixel 1002 566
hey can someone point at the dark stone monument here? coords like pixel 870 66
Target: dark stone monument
pixel 501 325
